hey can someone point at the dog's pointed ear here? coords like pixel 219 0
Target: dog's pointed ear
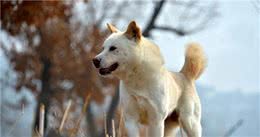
pixel 112 28
pixel 133 31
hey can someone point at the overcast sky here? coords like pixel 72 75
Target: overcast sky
pixel 232 46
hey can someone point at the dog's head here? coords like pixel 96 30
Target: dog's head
pixel 119 50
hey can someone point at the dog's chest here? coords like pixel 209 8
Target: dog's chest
pixel 141 104
pixel 144 108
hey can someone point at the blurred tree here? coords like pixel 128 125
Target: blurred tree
pixel 52 55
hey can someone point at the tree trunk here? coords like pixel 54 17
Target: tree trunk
pixel 45 95
pixel 111 113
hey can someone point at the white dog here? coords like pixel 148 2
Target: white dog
pixel 150 94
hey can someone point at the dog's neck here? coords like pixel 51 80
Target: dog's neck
pixel 146 68
pixel 141 75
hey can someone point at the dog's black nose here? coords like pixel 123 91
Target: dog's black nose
pixel 96 62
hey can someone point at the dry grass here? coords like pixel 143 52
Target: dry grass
pixel 41 126
pixel 65 116
pixel 118 125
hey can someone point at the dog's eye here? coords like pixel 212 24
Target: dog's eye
pixel 112 48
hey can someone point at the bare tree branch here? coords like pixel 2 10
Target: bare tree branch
pixel 256 4
pixel 234 128
pixel 171 29
pixel 120 7
pixel 186 12
pixel 151 22
pixel 105 8
pixel 206 14
pixel 202 16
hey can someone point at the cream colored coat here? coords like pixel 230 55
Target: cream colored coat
pixel 149 93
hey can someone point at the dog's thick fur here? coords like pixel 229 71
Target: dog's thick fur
pixel 149 93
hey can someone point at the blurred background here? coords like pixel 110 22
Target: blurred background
pixel 46 49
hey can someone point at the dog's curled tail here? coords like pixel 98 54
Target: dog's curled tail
pixel 195 61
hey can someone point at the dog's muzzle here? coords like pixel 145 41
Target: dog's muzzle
pixel 105 71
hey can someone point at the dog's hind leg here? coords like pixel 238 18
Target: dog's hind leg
pixel 171 125
pixel 171 129
pixel 191 126
pixel 190 122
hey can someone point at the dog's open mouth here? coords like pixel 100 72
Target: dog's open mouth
pixel 105 71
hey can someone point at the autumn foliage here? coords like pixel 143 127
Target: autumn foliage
pixel 56 54
pixel 70 57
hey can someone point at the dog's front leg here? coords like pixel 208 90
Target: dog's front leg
pixel 156 130
pixel 131 127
